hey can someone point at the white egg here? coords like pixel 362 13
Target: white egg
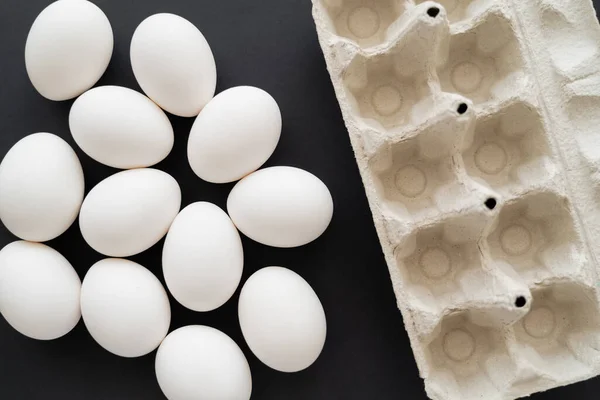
pixel 173 64
pixel 281 206
pixel 39 290
pixel 124 307
pixel 202 257
pixel 120 127
pixel 68 49
pixel 202 363
pixel 234 134
pixel 282 319
pixel 129 211
pixel 41 187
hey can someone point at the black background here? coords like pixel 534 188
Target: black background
pixel 272 45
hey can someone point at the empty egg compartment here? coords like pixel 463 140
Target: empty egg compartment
pixel 443 268
pixel 392 88
pixel 484 63
pixel 408 184
pixel 372 23
pixel 416 176
pixel 364 22
pixel 435 268
pixel 509 150
pixel 380 97
pixel 460 10
pixel 536 236
pixel 559 338
pixel 467 361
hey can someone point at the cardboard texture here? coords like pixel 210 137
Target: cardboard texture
pixel 475 125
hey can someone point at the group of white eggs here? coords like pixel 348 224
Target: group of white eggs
pixel 123 305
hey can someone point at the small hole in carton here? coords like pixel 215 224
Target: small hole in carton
pixel 520 302
pixel 561 330
pixel 433 12
pixel 462 108
pixel 491 203
pixel 458 10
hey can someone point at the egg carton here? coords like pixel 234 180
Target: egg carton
pixel 475 128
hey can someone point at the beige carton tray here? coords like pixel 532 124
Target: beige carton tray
pixel 476 128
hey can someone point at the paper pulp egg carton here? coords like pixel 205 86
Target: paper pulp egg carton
pixel 476 128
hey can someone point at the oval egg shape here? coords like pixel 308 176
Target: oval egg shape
pixel 202 257
pixel 200 362
pixel 39 290
pixel 234 134
pixel 282 319
pixel 41 187
pixel 173 64
pixel 120 127
pixel 68 49
pixel 129 211
pixel 281 206
pixel 124 307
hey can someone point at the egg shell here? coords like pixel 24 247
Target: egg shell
pixel 124 307
pixel 200 362
pixel 68 49
pixel 234 134
pixel 120 127
pixel 173 64
pixel 129 211
pixel 41 187
pixel 281 206
pixel 282 319
pixel 39 290
pixel 202 257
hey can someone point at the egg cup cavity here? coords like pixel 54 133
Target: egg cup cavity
pixel 466 359
pixel 536 235
pixel 379 96
pixel 389 89
pixel 474 125
pixel 559 341
pixel 483 63
pixel 510 150
pixel 415 173
pixel 409 184
pixel 439 272
pixel 364 22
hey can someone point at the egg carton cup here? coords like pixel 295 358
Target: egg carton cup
pixel 475 128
